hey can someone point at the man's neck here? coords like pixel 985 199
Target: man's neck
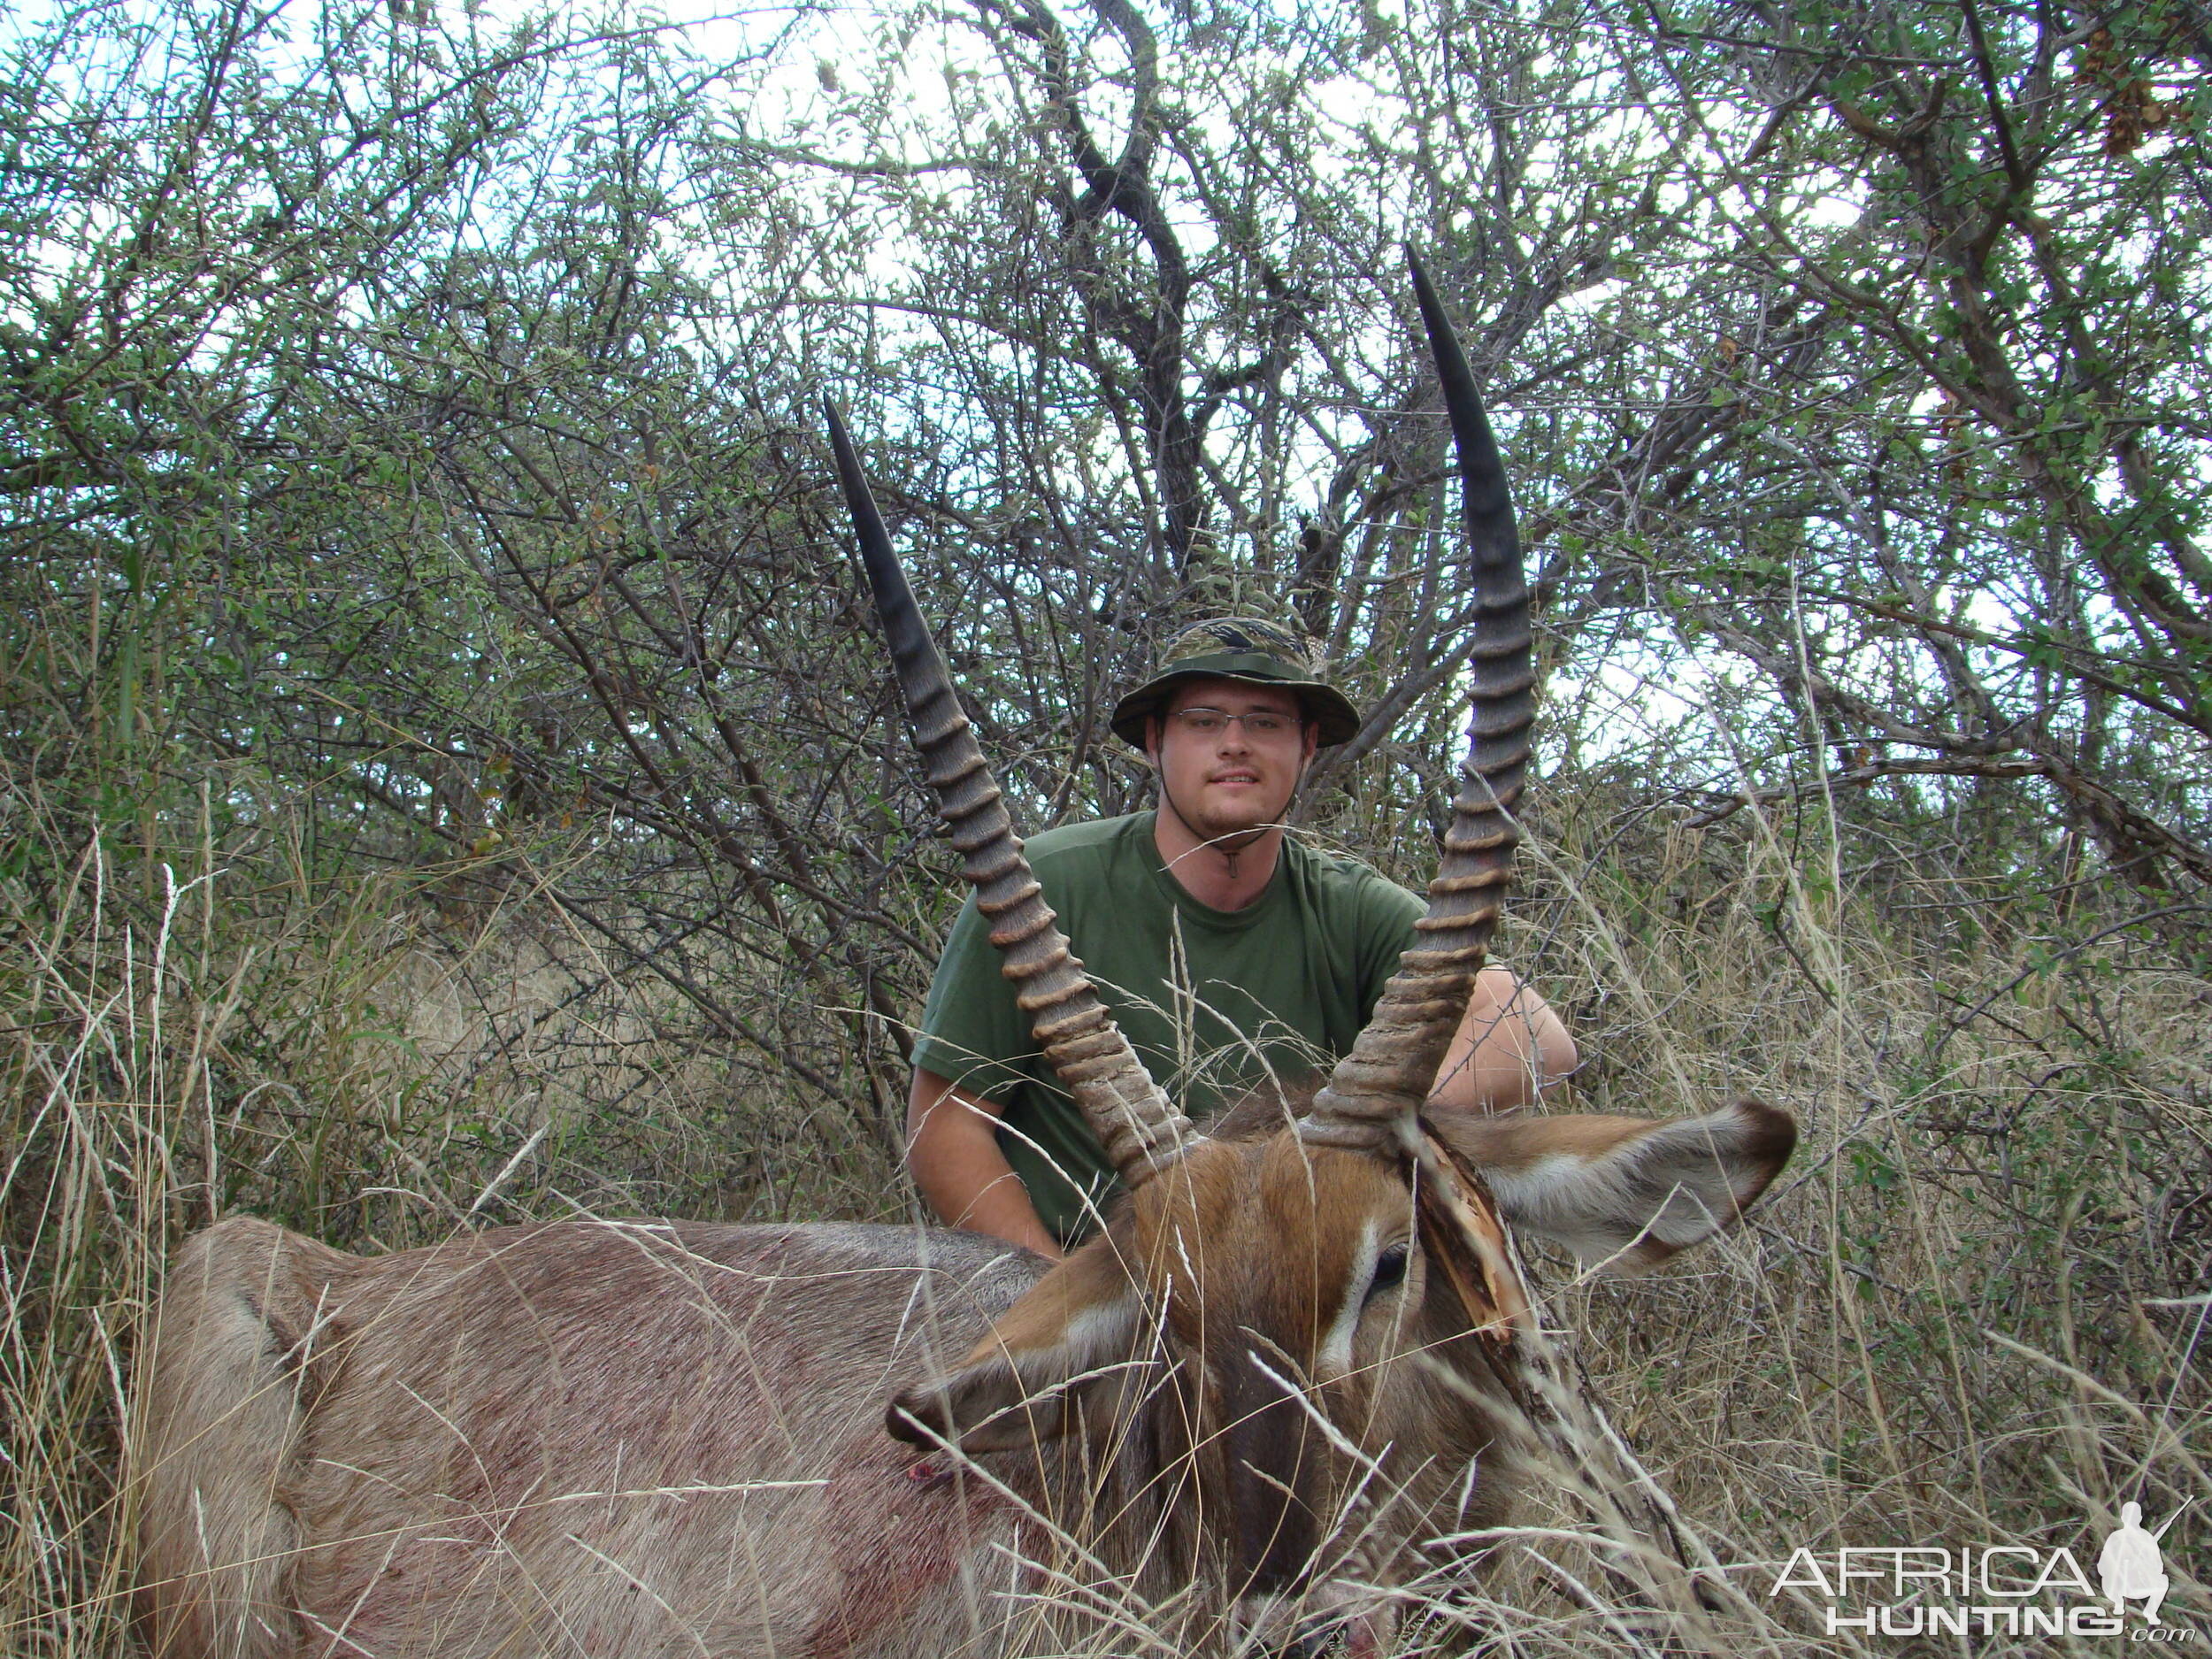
pixel 1226 874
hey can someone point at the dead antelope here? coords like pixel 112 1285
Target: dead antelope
pixel 1298 1350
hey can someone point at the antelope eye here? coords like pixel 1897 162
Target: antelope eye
pixel 1390 1270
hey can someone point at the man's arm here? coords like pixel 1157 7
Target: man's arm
pixel 1510 1048
pixel 952 1149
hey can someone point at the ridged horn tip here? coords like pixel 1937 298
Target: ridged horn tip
pixel 1375 1092
pixel 887 577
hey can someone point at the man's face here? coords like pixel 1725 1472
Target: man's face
pixel 1233 779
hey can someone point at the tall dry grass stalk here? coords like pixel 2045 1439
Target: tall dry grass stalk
pixel 1974 1313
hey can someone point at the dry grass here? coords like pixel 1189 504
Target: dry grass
pixel 1975 1313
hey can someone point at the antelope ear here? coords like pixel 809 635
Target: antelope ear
pixel 1628 1192
pixel 1078 1335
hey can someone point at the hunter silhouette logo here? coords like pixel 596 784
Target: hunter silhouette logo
pixel 2131 1564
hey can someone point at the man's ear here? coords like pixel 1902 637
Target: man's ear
pixel 1063 1351
pixel 1628 1192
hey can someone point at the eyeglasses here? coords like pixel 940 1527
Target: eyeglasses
pixel 1260 725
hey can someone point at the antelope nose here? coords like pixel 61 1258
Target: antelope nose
pixel 1282 1566
pixel 1270 1472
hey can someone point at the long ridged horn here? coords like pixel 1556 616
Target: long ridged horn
pixel 1376 1091
pixel 1134 1121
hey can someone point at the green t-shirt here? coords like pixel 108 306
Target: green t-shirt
pixel 1213 1001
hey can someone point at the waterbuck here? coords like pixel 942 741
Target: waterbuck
pixel 1300 1346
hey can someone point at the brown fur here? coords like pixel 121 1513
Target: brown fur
pixel 652 1438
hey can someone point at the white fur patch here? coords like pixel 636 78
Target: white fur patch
pixel 1099 1335
pixel 1335 1358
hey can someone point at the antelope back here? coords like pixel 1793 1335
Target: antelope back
pixel 608 1438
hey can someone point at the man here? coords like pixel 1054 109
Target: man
pixel 1226 952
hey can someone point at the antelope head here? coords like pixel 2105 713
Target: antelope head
pixel 1312 1316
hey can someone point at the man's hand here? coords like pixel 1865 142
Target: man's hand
pixel 952 1148
pixel 1509 1052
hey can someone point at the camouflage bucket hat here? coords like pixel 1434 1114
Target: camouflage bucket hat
pixel 1240 647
